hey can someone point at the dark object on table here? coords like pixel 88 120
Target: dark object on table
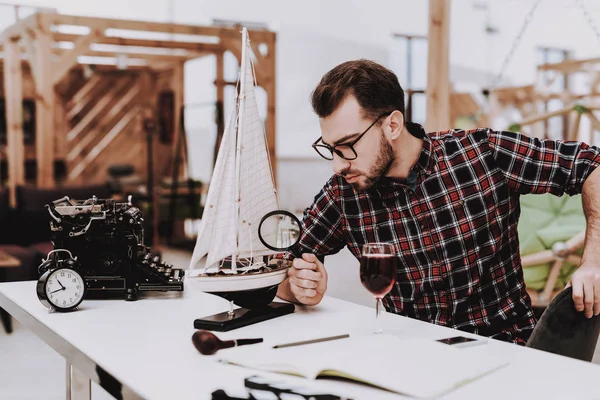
pixel 28 238
pixel 107 238
pixel 564 330
pixel 240 317
pixel 257 384
pixel 207 343
pixel 220 394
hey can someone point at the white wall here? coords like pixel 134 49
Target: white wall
pixel 315 35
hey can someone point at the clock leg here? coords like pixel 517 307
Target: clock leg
pixel 6 320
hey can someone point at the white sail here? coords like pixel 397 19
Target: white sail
pixel 216 236
pixel 257 190
pixel 230 229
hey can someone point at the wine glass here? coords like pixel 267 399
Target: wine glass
pixel 378 269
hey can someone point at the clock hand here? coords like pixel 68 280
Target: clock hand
pixel 57 290
pixel 61 285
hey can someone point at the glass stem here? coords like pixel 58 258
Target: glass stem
pixel 378 309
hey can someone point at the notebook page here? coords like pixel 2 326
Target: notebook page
pixel 414 367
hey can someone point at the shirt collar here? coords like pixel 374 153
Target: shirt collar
pixel 425 164
pixel 427 158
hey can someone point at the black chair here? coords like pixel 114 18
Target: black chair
pixel 565 331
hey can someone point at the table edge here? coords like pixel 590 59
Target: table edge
pixel 72 354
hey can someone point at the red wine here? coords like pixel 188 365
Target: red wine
pixel 378 272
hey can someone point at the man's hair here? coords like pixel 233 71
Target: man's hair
pixel 375 87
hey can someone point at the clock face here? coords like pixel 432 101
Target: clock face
pixel 64 288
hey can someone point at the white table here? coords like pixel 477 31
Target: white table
pixel 145 346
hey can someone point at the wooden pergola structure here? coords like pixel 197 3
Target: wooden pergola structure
pixel 92 90
pixel 528 100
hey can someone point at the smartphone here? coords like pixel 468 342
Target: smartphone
pixel 462 341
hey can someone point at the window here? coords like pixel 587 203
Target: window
pixel 409 59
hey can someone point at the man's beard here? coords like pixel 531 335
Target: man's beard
pixel 381 166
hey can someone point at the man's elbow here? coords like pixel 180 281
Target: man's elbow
pixel 591 184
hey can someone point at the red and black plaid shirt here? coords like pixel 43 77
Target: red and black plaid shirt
pixel 455 226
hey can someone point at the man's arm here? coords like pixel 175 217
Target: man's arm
pixel 322 234
pixel 586 280
pixel 533 165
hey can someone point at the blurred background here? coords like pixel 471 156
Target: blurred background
pixel 314 36
pixel 131 97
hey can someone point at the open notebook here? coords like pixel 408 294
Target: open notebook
pixel 414 367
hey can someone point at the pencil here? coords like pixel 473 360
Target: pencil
pixel 279 346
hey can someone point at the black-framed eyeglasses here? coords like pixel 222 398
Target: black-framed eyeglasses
pixel 344 150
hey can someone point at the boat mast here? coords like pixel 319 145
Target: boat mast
pixel 240 131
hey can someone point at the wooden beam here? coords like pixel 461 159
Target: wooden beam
pixel 271 122
pixel 568 65
pixel 93 113
pixel 30 51
pixel 13 32
pixel 44 107
pixel 13 92
pixel 103 125
pixel 537 258
pixel 132 55
pixel 58 19
pixel 106 140
pixel 438 68
pixel 77 102
pixel 552 278
pixel 537 118
pixel 113 67
pixel 573 133
pixel 127 42
pixel 66 61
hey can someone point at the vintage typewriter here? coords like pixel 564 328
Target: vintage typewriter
pixel 107 238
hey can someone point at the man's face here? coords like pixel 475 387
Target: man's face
pixel 375 155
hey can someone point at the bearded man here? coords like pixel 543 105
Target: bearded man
pixel 448 201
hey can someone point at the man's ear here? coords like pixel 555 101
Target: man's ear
pixel 396 123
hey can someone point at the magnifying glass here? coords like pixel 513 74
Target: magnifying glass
pixel 279 230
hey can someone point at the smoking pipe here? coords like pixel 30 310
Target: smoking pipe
pixel 207 343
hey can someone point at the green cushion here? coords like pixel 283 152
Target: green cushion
pixel 545 220
pixel 536 276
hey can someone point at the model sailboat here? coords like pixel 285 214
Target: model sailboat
pixel 241 193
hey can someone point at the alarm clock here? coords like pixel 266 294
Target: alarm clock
pixel 60 286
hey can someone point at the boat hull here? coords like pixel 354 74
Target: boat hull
pixel 248 291
pixel 236 282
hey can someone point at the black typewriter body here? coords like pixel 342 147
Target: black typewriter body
pixel 107 239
